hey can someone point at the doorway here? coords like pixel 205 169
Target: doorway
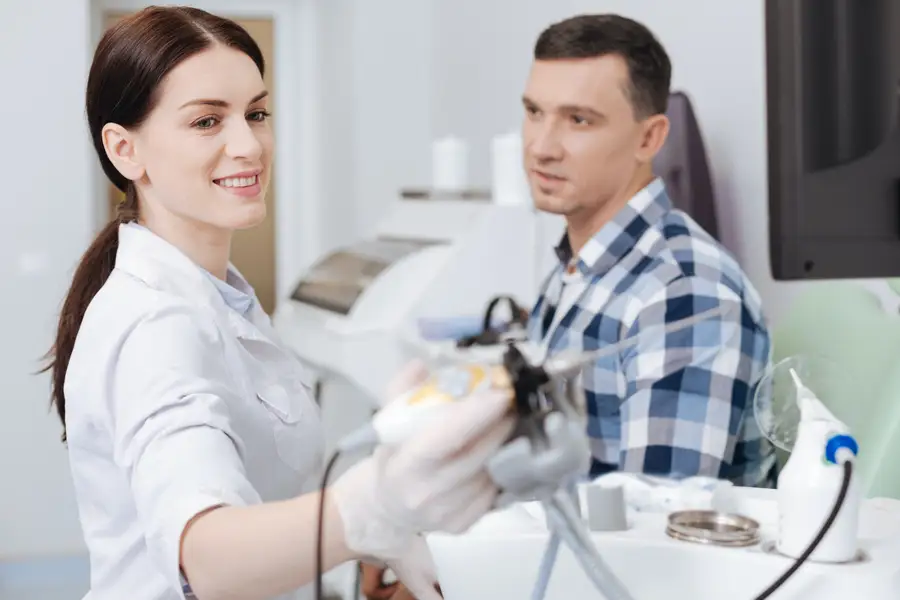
pixel 253 250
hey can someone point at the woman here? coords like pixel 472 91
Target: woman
pixel 193 442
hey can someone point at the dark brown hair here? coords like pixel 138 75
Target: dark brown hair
pixel 131 61
pixel 592 36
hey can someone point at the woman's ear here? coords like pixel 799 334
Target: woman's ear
pixel 119 145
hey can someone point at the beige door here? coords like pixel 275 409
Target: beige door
pixel 253 250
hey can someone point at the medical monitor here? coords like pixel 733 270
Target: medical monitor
pixel 833 103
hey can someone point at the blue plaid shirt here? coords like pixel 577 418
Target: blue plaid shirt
pixel 677 404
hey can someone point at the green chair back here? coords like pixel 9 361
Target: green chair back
pixel 846 325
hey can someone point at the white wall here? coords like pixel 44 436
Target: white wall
pixel 393 75
pixel 336 97
pixel 46 224
pixel 483 53
pixel 376 134
pixel 376 94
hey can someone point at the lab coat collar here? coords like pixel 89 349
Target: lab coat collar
pixel 162 266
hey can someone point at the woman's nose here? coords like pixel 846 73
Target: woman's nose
pixel 243 142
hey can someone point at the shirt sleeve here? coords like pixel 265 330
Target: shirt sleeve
pixel 173 432
pixel 688 392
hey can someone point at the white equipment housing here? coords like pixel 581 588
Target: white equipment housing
pixel 354 314
pixel 500 556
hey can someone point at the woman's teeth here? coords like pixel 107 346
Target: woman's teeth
pixel 233 182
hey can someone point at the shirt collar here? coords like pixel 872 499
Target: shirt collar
pixel 154 260
pixel 236 291
pixel 618 237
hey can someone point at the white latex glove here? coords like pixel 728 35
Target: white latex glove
pixel 415 569
pixel 436 481
pixel 527 474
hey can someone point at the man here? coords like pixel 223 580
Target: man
pixel 673 405
pixel 677 404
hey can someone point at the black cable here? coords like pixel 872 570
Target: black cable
pixel 842 494
pixel 319 535
pixel 357 586
pixel 490 336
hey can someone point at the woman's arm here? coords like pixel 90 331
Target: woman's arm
pixel 261 551
pixel 174 438
pixel 171 413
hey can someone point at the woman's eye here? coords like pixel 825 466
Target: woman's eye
pixel 205 123
pixel 259 115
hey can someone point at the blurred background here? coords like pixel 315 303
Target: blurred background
pixel 361 89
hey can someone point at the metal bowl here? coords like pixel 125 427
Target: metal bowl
pixel 714 528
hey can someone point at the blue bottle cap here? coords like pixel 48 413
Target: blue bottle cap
pixel 836 442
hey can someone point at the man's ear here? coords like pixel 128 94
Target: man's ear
pixel 656 130
pixel 120 149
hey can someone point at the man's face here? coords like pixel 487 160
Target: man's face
pixel 582 143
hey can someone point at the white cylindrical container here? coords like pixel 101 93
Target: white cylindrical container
pixel 449 164
pixel 808 488
pixel 509 184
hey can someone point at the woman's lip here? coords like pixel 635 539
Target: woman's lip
pixel 246 191
pixel 241 174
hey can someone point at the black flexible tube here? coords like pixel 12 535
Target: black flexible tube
pixel 839 502
pixel 319 534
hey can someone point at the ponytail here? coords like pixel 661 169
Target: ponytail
pixel 92 272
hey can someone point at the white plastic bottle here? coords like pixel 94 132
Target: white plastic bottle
pixel 810 482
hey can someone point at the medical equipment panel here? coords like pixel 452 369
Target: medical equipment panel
pixel 357 314
pixel 339 279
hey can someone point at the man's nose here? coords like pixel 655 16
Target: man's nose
pixel 545 143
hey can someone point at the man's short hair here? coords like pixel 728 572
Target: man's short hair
pixel 592 36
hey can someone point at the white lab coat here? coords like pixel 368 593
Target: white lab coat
pixel 176 403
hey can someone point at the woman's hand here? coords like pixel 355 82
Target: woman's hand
pixel 435 481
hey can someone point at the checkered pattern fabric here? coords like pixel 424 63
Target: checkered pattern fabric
pixel 675 404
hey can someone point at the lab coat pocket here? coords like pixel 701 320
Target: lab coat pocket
pixel 284 402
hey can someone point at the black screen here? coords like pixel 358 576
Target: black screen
pixel 833 95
